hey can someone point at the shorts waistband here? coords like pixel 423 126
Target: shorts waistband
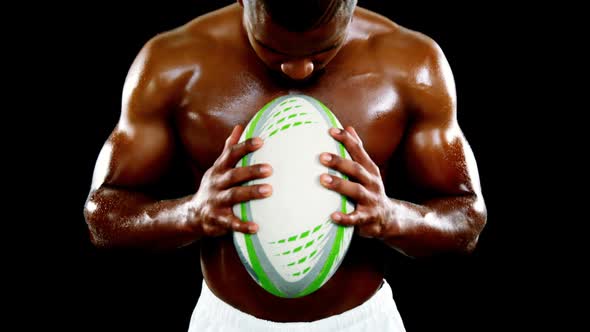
pixel 379 304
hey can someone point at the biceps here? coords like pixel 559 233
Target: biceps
pixel 135 156
pixel 438 160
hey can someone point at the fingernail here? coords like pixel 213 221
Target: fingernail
pixel 256 141
pixel 252 228
pixel 336 217
pixel 336 131
pixel 264 169
pixel 264 190
pixel 326 157
pixel 326 178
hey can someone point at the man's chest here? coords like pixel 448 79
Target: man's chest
pixel 366 101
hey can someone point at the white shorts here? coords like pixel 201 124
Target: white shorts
pixel 379 313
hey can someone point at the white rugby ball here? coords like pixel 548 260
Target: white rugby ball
pixel 297 247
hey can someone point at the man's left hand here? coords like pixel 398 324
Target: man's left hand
pixel 364 186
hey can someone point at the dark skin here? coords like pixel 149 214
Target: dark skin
pixel 191 91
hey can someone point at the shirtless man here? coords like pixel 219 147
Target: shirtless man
pixel 189 94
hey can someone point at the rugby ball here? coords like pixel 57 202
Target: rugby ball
pixel 297 248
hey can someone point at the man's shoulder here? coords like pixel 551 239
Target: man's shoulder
pixel 200 36
pixel 416 62
pixel 396 43
pixel 168 61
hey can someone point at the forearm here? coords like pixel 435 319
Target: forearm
pixel 120 218
pixel 437 226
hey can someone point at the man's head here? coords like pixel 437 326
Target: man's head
pixel 297 37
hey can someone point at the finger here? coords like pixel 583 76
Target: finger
pixel 352 131
pixel 349 167
pixel 232 154
pixel 353 190
pixel 245 227
pixel 234 137
pixel 374 169
pixel 354 218
pixel 235 176
pixel 235 195
pixel 355 148
pixel 231 222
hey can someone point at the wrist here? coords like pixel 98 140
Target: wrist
pixel 390 221
pixel 185 216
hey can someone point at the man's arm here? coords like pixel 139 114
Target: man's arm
pixel 136 154
pixel 441 166
pixel 118 211
pixel 439 163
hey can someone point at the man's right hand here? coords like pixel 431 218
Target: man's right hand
pixel 221 189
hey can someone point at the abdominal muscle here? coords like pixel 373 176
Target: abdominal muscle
pixel 359 276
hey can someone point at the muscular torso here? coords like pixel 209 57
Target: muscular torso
pixel 225 84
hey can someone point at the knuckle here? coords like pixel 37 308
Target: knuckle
pixel 216 199
pixel 208 228
pixel 363 194
pixel 336 182
pixel 240 226
pixel 232 176
pixel 355 217
pixel 210 171
pixel 370 199
pixel 355 143
pixel 205 212
pixel 334 159
pixel 358 142
pixel 200 217
pixel 357 168
pixel 376 180
pixel 375 230
pixel 235 221
pixel 235 150
pixel 255 191
pixel 212 201
pixel 217 181
pixel 372 215
pixel 216 169
pixel 231 195
pixel 347 219
pixel 346 135
pixel 360 192
pixel 374 199
pixel 223 220
pixel 223 156
pixel 255 170
pixel 211 219
pixel 369 179
pixel 345 138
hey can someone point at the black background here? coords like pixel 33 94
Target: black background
pixel 89 50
